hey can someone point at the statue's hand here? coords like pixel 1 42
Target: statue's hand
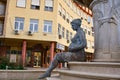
pixel 71 47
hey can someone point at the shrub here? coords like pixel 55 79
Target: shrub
pixel 3 62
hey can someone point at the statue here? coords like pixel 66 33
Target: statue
pixel 75 50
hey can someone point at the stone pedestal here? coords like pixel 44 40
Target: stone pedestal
pixel 91 71
pixel 106 20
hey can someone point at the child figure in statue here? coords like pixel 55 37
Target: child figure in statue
pixel 75 50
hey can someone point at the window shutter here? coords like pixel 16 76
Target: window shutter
pixel 49 3
pixel 21 3
pixel 35 2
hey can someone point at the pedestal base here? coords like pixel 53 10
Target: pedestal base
pixel 91 71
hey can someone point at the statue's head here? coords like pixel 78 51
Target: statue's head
pixel 76 23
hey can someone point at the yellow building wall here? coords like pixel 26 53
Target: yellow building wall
pixel 27 13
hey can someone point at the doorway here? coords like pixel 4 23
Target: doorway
pixel 37 59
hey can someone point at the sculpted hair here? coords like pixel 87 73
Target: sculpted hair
pixel 76 21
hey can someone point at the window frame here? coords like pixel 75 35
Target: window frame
pixel 48 24
pixel 63 32
pixel 48 8
pixel 67 34
pixel 1 28
pixel 59 29
pixel 36 7
pixel 34 22
pixel 19 23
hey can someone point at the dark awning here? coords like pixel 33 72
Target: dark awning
pixel 84 2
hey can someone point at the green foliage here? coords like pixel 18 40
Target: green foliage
pixel 5 62
pixel 15 66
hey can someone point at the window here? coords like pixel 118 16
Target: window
pixel 67 34
pixel 59 29
pixel 19 23
pixel 60 10
pixel 1 27
pixel 33 25
pixel 88 44
pixel 88 29
pixel 35 4
pixel 70 35
pixel 92 29
pixel 21 3
pixel 88 19
pixel 47 26
pixel 48 5
pixel 63 12
pixel 2 8
pixel 93 33
pixel 85 29
pixel 63 32
pixel 88 32
pixel 85 16
pixel 67 17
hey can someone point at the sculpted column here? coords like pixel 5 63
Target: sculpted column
pixel 106 19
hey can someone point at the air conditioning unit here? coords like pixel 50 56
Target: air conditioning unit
pixel 81 18
pixel 30 32
pixel 17 32
pixel 68 41
pixel 88 22
pixel 60 36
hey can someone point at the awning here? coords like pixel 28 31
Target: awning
pixel 84 2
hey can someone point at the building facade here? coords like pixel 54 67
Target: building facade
pixel 33 31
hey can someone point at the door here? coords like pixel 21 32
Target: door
pixel 37 59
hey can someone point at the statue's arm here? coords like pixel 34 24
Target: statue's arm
pixel 81 43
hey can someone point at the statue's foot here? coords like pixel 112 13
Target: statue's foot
pixel 44 76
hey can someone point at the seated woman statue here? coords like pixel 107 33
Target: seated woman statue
pixel 75 50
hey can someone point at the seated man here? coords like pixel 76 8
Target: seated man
pixel 75 50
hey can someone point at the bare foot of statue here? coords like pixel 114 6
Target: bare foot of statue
pixel 45 75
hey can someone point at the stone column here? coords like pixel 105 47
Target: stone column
pixel 106 21
pixel 23 53
pixel 52 51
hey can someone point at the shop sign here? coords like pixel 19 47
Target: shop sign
pixel 13 58
pixel 60 46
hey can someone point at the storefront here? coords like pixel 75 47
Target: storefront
pixel 36 53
